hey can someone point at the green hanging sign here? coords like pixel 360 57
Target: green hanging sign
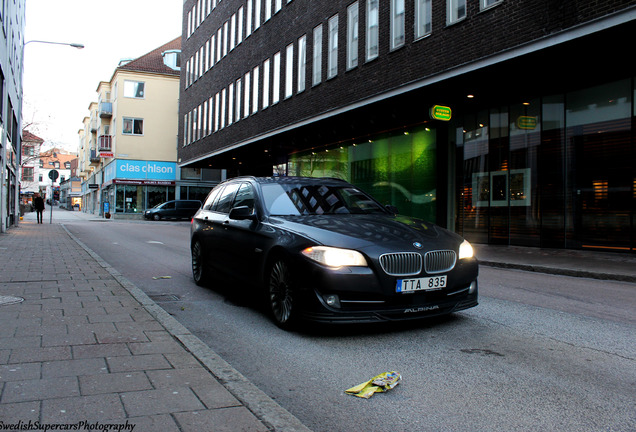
pixel 439 112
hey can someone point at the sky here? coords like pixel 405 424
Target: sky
pixel 60 81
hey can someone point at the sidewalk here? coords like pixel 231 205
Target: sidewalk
pixel 82 346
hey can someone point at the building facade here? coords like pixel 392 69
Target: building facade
pixel 128 147
pixel 11 61
pixel 30 167
pixel 510 123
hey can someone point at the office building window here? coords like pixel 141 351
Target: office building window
pixel 352 36
pixel 266 71
pixel 134 89
pixel 397 23
pixel 239 96
pixel 289 70
pixel 255 89
pixel 133 126
pixel 332 54
pixel 302 62
pixel 317 56
pixel 257 13
pixel 225 37
pixel 248 19
pixel 246 100
pixel 456 11
pixel 423 18
pixel 276 79
pixel 217 109
pixel 212 50
pixel 239 29
pixel 219 41
pixel 232 32
pixel 230 104
pixel 278 4
pixel 485 4
pixel 268 9
pixel 223 98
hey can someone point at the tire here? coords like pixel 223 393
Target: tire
pixel 156 217
pixel 280 295
pixel 200 273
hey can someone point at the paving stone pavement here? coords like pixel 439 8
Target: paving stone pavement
pixel 80 345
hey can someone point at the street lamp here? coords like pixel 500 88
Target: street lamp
pixel 74 45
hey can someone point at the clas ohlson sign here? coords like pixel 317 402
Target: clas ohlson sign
pixel 140 170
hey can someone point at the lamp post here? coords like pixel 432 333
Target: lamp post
pixel 74 45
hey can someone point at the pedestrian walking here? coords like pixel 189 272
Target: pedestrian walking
pixel 38 205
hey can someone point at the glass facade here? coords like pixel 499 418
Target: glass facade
pixel 555 171
pixel 134 199
pixel 398 169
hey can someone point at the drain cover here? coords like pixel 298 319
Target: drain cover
pixel 7 300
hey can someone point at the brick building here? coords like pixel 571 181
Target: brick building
pixel 508 122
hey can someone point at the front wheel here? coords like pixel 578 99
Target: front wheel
pixel 200 273
pixel 280 294
pixel 156 217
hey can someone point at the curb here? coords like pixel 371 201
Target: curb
pixel 258 402
pixel 560 271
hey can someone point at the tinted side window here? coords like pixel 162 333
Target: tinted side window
pixel 168 206
pixel 226 198
pixel 212 197
pixel 244 196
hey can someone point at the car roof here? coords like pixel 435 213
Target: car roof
pixel 293 180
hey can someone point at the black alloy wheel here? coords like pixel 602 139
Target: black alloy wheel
pixel 281 295
pixel 199 271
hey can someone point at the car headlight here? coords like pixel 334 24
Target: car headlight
pixel 465 250
pixel 335 257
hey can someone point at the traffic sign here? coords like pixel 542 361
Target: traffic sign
pixel 54 174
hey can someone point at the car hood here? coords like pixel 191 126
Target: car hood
pixel 363 231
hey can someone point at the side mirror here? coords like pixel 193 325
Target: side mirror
pixel 242 213
pixel 393 209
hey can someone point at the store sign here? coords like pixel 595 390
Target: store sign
pixel 106 154
pixel 439 112
pixel 93 186
pixel 146 170
pixel 527 122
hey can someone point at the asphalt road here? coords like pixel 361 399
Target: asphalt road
pixel 540 352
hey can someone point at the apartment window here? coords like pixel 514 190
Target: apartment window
pixel 27 174
pixel 485 4
pixel 255 88
pixel 133 126
pixel 289 70
pixel 317 56
pixel 240 26
pixel 246 100
pixel 67 165
pixel 397 23
pixel 239 95
pixel 302 62
pixel 134 89
pixel 332 54
pixel 266 71
pixel 456 11
pixel 41 178
pixel 352 36
pixel 276 79
pixel 423 18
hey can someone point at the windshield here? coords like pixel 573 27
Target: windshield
pixel 302 199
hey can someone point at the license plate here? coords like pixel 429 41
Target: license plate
pixel 421 284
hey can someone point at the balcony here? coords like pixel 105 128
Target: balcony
pixel 105 143
pixel 95 159
pixel 105 109
pixel 93 125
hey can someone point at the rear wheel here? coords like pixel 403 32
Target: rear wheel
pixel 199 271
pixel 280 294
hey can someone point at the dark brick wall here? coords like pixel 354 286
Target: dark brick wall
pixel 482 34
